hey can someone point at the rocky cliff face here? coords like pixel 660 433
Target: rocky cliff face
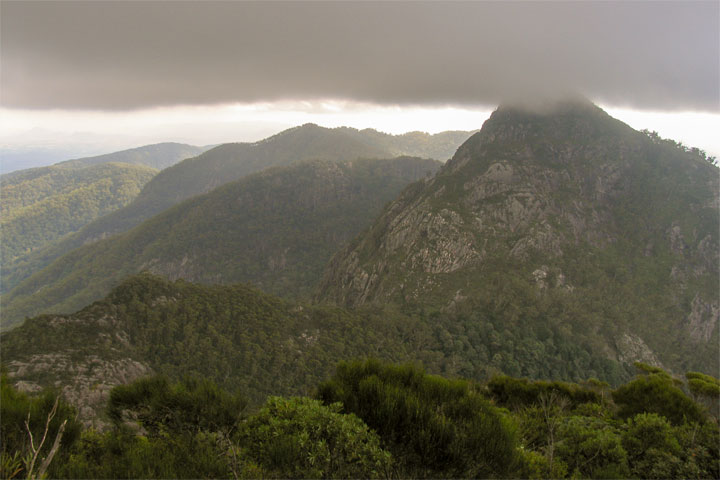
pixel 83 356
pixel 602 211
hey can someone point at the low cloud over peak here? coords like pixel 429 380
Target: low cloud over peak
pixel 119 56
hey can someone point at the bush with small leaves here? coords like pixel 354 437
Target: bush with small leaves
pixel 434 427
pixel 656 393
pixel 302 438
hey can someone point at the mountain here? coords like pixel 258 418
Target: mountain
pixel 440 146
pixel 158 156
pixel 237 335
pixel 241 338
pixel 40 205
pixel 561 216
pixel 230 162
pixel 277 228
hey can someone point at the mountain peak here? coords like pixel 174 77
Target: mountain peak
pixel 566 125
pixel 559 110
pixel 549 105
pixel 560 200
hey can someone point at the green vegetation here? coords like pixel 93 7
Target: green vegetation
pixel 158 156
pixel 262 345
pixel 655 392
pixel 230 162
pixel 31 427
pixel 302 438
pixel 566 221
pixel 550 255
pixel 394 421
pixel 433 427
pixel 190 405
pixel 41 205
pixel 276 229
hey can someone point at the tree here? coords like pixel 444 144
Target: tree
pixel 433 427
pixel 190 406
pixel 592 448
pixel 162 430
pixel 657 393
pixel 652 450
pixel 302 438
pixel 706 389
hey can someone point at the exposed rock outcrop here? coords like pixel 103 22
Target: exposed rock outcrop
pixel 569 200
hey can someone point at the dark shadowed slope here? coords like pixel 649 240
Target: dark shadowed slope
pixel 277 229
pixel 230 162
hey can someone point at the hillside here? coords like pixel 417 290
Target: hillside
pixel 230 162
pixel 276 229
pixel 158 156
pixel 440 146
pixel 236 335
pixel 258 344
pixel 40 205
pixel 565 214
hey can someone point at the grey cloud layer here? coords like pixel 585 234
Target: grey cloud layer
pixel 131 55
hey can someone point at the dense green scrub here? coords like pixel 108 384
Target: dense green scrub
pixel 263 345
pixel 374 420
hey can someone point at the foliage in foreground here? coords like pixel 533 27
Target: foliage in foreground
pixel 434 426
pixel 302 438
pixel 380 420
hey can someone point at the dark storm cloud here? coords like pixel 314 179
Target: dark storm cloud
pixel 102 55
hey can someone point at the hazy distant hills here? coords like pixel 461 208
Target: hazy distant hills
pixel 230 162
pixel 158 156
pixel 440 146
pixel 277 229
pixel 40 205
pixel 566 220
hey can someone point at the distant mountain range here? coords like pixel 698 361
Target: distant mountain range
pixel 277 228
pixel 159 156
pixel 42 205
pixel 230 162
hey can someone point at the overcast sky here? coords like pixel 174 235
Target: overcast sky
pixel 100 63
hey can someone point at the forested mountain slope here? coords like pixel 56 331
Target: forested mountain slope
pixel 260 344
pixel 158 156
pixel 440 146
pixel 230 162
pixel 277 229
pixel 564 214
pixel 40 205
